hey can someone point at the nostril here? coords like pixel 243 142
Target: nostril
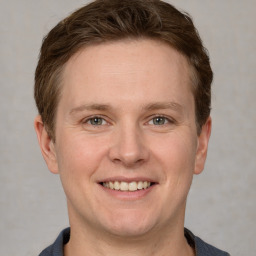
pixel 128 148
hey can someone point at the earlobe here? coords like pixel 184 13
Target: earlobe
pixel 46 144
pixel 202 147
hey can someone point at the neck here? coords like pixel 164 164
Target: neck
pixel 166 241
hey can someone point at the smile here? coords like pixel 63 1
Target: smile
pixel 127 186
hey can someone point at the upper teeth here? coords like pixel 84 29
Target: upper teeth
pixel 127 186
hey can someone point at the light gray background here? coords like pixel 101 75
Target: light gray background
pixel 221 206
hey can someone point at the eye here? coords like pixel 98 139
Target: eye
pixel 159 120
pixel 95 121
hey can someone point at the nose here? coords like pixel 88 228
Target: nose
pixel 129 146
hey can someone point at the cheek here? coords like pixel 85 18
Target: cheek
pixel 80 155
pixel 176 153
pixel 79 158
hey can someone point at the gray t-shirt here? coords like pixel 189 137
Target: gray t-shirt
pixel 202 248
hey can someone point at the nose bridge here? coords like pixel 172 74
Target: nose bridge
pixel 129 146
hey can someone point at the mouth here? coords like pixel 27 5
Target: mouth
pixel 127 186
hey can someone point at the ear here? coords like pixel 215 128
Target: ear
pixel 203 140
pixel 46 144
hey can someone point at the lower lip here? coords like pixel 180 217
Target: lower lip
pixel 128 195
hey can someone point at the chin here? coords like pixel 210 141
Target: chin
pixel 128 231
pixel 133 224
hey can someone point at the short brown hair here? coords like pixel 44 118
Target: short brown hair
pixel 109 20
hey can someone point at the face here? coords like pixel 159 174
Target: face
pixel 126 140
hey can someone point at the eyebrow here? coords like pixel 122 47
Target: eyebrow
pixel 163 105
pixel 149 107
pixel 90 107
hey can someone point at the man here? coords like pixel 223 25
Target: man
pixel 123 93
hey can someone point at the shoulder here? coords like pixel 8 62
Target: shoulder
pixel 203 248
pixel 56 249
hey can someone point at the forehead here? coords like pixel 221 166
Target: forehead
pixel 124 67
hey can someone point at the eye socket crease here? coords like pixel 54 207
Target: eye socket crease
pixel 104 120
pixel 148 107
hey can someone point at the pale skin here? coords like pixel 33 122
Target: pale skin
pixel 126 114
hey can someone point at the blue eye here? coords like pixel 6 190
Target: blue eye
pixel 96 121
pixel 159 120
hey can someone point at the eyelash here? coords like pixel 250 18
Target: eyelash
pixel 104 122
pixel 161 117
pixel 93 118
